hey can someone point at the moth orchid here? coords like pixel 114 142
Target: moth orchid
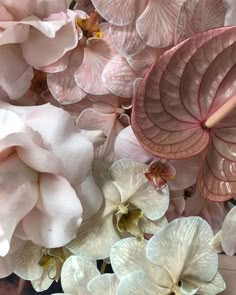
pixel 176 260
pixel 80 276
pixel 185 106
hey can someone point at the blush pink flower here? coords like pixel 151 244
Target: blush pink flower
pixel 136 24
pixel 83 66
pixel 26 28
pixel 43 160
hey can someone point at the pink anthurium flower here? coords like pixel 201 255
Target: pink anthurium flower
pixel 185 106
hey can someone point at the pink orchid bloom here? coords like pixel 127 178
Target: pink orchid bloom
pixel 136 24
pixel 45 165
pixel 108 113
pixel 26 28
pixel 175 117
pixel 85 64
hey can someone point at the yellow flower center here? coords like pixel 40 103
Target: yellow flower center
pixel 52 261
pixel 90 26
pixel 127 221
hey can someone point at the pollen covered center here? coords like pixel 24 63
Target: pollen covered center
pixel 90 26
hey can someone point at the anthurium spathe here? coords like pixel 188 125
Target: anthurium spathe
pixel 177 117
pixel 131 206
pixel 177 259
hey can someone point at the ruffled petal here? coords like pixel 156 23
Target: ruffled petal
pixel 16 74
pixel 57 215
pixel 19 194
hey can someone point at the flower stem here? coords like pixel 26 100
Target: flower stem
pixel 221 113
pixel 103 267
pixel 72 4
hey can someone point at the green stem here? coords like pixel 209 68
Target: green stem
pixel 103 267
pixel 72 4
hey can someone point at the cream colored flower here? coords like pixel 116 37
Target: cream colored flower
pixel 177 260
pixel 131 206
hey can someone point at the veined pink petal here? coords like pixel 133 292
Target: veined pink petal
pixel 117 12
pixel 62 85
pixel 108 123
pixel 231 13
pixel 170 112
pixel 119 77
pixel 65 39
pixel 127 146
pixel 198 16
pixel 156 25
pixel 19 194
pixel 16 74
pixel 97 54
pixel 58 66
pixel 57 215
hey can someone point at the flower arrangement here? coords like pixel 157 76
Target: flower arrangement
pixel 118 145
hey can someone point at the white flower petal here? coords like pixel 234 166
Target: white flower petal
pixel 105 284
pixel 228 233
pixel 96 240
pixel 181 247
pixel 76 274
pixel 138 283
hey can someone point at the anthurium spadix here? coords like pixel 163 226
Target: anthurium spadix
pixel 185 105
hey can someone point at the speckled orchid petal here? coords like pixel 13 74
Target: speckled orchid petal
pixel 96 240
pixel 138 283
pixel 127 146
pixel 90 119
pixel 189 237
pixel 126 38
pixel 169 119
pixel 117 12
pixel 97 54
pixel 197 16
pixel 76 274
pixel 62 85
pixel 156 25
pixel 27 266
pixel 228 233
pixel 231 13
pixel 105 284
pixel 119 77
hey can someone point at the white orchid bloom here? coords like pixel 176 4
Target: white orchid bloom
pixel 41 266
pixel 81 276
pixel 225 239
pixel 177 260
pixel 131 205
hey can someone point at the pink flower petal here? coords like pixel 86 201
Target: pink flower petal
pixel 57 215
pixel 127 146
pixel 198 16
pixel 156 25
pixel 62 85
pixel 96 55
pixel 92 120
pixel 19 194
pixel 117 12
pixel 16 74
pixel 119 77
pixel 65 40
